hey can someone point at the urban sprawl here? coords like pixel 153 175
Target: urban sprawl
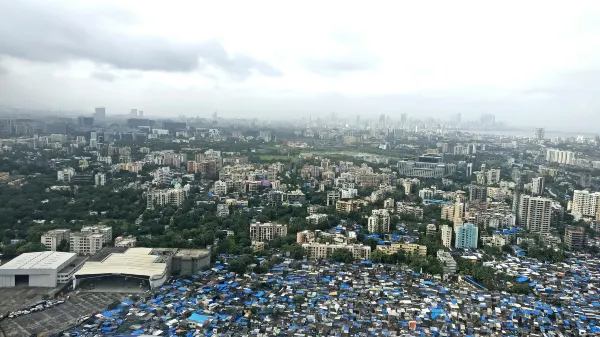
pixel 125 225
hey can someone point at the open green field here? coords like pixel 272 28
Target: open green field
pixel 269 157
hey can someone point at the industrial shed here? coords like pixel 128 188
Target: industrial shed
pixel 40 269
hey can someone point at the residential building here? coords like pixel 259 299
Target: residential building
pixel 535 213
pixel 410 248
pixel 53 238
pixel 537 186
pixel 466 236
pixel 409 209
pixel 86 243
pixel 379 221
pixel 264 232
pixel 493 176
pixel 220 188
pixel 559 156
pixel 323 250
pixel 431 230
pixel 477 193
pixel 172 196
pixel 347 206
pixel 222 210
pixel 575 237
pixel 125 241
pixel 315 219
pixel 447 261
pixel 65 174
pixel 106 231
pixel 99 179
pixel 493 241
pixel 446 236
pixel 586 203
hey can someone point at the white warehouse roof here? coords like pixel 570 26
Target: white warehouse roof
pixel 39 260
pixel 134 261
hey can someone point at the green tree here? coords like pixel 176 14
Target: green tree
pixel 342 255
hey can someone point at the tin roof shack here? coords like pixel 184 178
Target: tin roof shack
pixel 190 261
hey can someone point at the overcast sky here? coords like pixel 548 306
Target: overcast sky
pixel 532 62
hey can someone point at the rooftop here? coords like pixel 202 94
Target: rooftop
pixel 39 260
pixel 192 253
pixel 134 261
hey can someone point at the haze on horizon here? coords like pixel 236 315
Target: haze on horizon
pixel 531 63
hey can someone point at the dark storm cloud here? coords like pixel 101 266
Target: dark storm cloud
pixel 44 32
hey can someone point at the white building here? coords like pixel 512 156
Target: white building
pixel 323 250
pixel 125 241
pixel 172 196
pixel 220 188
pixel 379 221
pixel 586 203
pixel 53 238
pixel 106 231
pixel 446 236
pixel 65 174
pixel 222 210
pixel 99 179
pixel 263 232
pixel 535 213
pixel 537 186
pixel 40 269
pixel 559 156
pixel 86 243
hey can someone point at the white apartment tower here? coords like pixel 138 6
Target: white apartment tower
pixel 99 179
pixel 446 236
pixel 537 186
pixel 535 213
pixel 586 203
pixel 379 221
pixel 172 196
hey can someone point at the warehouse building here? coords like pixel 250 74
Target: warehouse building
pixel 40 269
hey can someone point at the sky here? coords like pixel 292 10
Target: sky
pixel 534 63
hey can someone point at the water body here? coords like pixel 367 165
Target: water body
pixel 529 133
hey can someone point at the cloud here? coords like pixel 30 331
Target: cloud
pixel 338 66
pixel 104 76
pixel 51 33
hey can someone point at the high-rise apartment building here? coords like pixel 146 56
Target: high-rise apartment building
pixel 559 156
pixel 263 232
pixel 586 203
pixel 466 236
pixel 379 221
pixel 477 193
pixel 535 213
pixel 537 186
pixel 446 236
pixel 539 133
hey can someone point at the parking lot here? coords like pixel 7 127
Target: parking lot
pixel 17 298
pixel 59 317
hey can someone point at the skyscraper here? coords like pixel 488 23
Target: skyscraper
pixel 539 133
pixel 100 113
pixel 537 186
pixel 535 213
pixel 466 236
pixel 404 119
pixel 586 203
pixel 133 112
